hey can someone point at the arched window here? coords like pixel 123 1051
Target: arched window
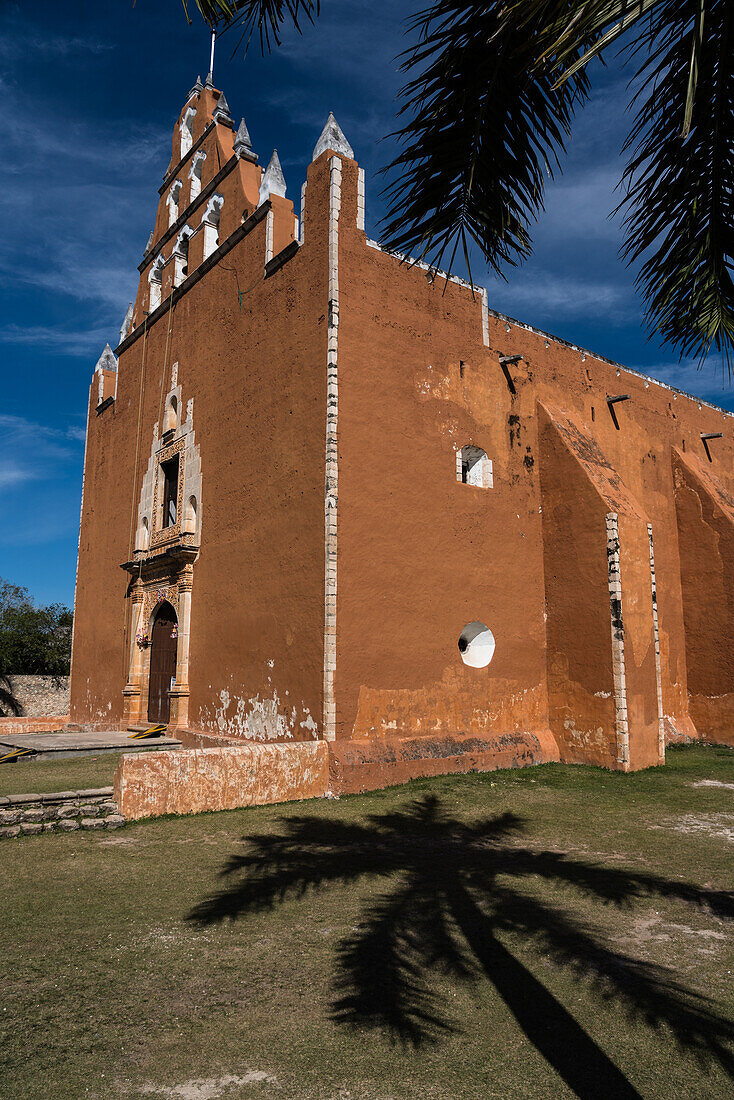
pixel 187 131
pixel 172 202
pixel 473 467
pixel 181 256
pixel 170 420
pixel 155 279
pixel 210 222
pixel 195 174
pixel 190 516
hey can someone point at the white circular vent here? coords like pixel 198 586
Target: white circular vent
pixel 476 645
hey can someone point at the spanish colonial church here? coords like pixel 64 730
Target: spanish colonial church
pixel 331 496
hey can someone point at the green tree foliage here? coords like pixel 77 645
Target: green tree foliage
pixel 33 640
pixel 487 108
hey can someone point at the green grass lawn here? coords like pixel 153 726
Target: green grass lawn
pixel 552 932
pixel 71 773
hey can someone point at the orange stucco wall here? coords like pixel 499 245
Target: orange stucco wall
pixel 249 353
pixel 418 554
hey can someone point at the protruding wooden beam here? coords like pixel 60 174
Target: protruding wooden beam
pixel 705 436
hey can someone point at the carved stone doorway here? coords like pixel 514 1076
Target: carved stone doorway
pixel 163 653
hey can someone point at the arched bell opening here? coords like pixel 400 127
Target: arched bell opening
pixel 163 656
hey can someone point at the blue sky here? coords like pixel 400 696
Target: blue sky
pixel 90 94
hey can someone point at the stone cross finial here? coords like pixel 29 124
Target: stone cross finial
pixel 332 137
pixel 273 181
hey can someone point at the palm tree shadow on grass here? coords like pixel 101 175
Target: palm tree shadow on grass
pixel 453 898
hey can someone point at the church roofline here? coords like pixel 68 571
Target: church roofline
pixel 191 280
pixel 204 194
pixel 177 167
pixel 410 261
pixel 604 359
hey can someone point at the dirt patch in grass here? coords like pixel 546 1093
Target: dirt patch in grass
pixel 716 826
pixel 513 935
pixel 210 1088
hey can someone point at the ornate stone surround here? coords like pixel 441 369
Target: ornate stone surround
pixel 159 534
pixel 162 568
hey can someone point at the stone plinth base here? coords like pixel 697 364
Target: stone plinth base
pixel 194 780
pixel 356 766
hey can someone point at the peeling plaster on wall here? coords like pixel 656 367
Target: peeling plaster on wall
pixel 98 715
pixel 435 385
pixel 256 719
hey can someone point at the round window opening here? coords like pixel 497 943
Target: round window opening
pixel 476 645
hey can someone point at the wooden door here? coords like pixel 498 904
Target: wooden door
pixel 163 648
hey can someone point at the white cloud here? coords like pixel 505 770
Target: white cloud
pixel 563 296
pixel 11 473
pixel 80 229
pixel 57 341
pixel 30 451
pixel 17 46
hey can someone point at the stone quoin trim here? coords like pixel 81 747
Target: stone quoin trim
pixel 485 317
pixel 360 199
pixel 332 472
pixel 269 238
pixel 301 229
pixel 658 676
pixel 615 604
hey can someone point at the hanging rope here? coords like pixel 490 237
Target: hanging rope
pixel 126 602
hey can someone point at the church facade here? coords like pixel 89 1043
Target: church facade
pixel 330 495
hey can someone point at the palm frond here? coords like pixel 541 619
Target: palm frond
pixel 266 17
pixel 485 128
pixel 589 28
pixel 679 205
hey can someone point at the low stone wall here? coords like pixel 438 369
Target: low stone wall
pixel 33 725
pixel 40 696
pixel 61 812
pixel 192 780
